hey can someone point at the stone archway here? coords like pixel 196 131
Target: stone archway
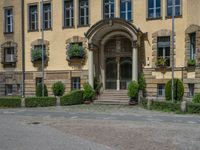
pixel 98 36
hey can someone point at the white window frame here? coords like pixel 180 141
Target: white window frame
pixel 161 90
pixel 76 85
pixel 110 14
pixel 69 10
pixel 154 8
pixel 176 6
pixel 8 27
pixel 85 7
pixel 33 17
pixel 126 11
pixel 48 13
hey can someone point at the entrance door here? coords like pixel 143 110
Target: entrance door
pixel 111 73
pixel 125 72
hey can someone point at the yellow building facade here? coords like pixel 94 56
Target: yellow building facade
pixel 117 41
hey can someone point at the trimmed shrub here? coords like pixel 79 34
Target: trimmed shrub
pixel 39 90
pixel 143 103
pixel 133 89
pixel 76 51
pixel 58 89
pixel 196 98
pixel 193 108
pixel 142 82
pixel 40 101
pixel 10 102
pixel 88 93
pixel 178 90
pixel 97 86
pixel 165 106
pixel 73 98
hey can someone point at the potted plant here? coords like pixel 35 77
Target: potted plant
pixel 133 89
pixel 76 52
pixel 161 62
pixel 191 63
pixel 36 55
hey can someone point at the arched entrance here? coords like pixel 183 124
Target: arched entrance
pixel 118 63
pixel 113 53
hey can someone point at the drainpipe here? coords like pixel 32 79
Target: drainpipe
pixel 23 49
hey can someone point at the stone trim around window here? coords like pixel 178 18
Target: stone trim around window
pixel 155 35
pixel 39 42
pixel 188 31
pixel 8 44
pixel 76 39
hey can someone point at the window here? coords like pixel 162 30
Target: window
pixel 83 12
pixel 68 13
pixel 8 20
pixel 177 7
pixel 9 55
pixel 192 45
pixel 33 17
pixel 47 16
pixel 161 90
pixel 164 50
pixel 154 8
pixel 191 90
pixel 76 83
pixel 126 10
pixel 109 9
pixel 8 89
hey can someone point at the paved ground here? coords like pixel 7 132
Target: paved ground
pixel 96 127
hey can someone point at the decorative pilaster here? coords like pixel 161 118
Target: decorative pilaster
pixel 91 67
pixel 135 63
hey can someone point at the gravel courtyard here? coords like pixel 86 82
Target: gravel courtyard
pixel 97 127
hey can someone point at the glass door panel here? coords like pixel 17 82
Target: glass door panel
pixel 111 73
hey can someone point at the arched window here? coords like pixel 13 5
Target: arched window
pixel 126 10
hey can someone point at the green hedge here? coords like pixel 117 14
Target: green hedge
pixel 10 102
pixel 143 103
pixel 73 98
pixel 40 101
pixel 165 106
pixel 193 108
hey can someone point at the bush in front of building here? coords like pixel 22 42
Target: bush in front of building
pixel 133 89
pixel 193 108
pixel 165 106
pixel 72 98
pixel 39 90
pixel 196 98
pixel 12 102
pixel 142 82
pixel 40 101
pixel 97 85
pixel 58 88
pixel 88 92
pixel 178 90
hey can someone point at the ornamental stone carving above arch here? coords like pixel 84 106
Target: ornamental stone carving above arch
pixel 46 44
pixel 192 29
pixel 162 33
pixel 72 40
pixel 9 44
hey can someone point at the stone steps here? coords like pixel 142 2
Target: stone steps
pixel 113 97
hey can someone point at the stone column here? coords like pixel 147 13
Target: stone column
pixel 103 66
pixel 91 68
pixel 135 64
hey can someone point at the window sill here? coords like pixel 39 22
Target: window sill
pixel 82 26
pixel 33 30
pixel 47 29
pixel 170 17
pixel 158 18
pixel 68 27
pixel 8 33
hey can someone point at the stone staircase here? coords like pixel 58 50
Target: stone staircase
pixel 113 97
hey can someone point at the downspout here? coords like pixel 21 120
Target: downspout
pixel 23 48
